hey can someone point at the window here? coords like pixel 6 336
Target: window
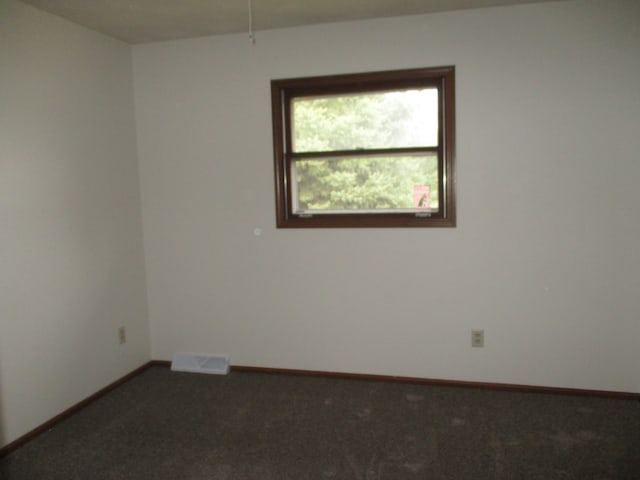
pixel 365 150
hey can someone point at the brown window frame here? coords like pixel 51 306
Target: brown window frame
pixel 284 90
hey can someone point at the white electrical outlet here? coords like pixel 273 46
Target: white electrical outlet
pixel 477 338
pixel 122 335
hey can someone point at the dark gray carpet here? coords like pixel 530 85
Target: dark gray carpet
pixel 166 425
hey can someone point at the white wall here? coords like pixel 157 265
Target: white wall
pixel 545 257
pixel 71 257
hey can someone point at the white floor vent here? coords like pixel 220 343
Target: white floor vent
pixel 189 362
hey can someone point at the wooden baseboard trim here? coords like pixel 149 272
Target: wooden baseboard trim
pixel 507 387
pixel 161 363
pixel 7 449
pixel 441 382
pixel 20 441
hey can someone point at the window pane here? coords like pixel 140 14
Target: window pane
pixel 404 118
pixel 343 185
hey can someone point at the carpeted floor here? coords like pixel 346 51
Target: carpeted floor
pixel 248 426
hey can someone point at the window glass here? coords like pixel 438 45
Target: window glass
pixel 339 184
pixel 407 118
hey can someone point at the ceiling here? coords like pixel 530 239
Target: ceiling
pixel 143 21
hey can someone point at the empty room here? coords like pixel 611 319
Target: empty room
pixel 268 239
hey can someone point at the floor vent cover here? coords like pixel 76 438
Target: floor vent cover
pixel 189 362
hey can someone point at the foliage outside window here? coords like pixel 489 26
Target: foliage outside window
pixel 365 150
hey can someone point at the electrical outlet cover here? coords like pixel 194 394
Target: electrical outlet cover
pixel 477 338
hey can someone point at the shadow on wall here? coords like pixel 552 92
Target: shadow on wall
pixel 2 417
